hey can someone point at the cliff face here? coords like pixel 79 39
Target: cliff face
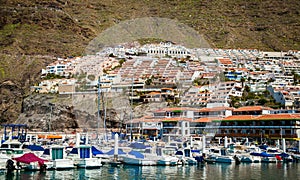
pixel 39 112
pixel 34 32
pixel 11 97
pixel 69 112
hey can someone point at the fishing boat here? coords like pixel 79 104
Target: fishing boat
pixel 57 158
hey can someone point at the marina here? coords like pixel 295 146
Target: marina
pixel 79 156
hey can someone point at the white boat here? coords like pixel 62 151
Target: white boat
pixel 57 158
pixel 220 156
pixel 269 160
pixel 166 156
pixel 9 149
pixel 296 157
pixel 13 148
pixel 246 158
pixel 167 161
pixel 137 158
pixel 83 158
pixel 185 156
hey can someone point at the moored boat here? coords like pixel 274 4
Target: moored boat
pixel 137 158
pixel 57 158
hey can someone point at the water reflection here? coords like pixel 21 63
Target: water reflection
pixel 207 171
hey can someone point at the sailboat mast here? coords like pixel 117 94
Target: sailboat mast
pixel 104 119
pixel 98 104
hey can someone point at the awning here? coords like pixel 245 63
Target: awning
pixel 50 136
pixel 30 157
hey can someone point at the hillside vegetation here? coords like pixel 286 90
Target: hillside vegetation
pixel 33 32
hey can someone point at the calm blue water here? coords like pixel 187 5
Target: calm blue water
pixel 207 171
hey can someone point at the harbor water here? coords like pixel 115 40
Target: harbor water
pixel 265 171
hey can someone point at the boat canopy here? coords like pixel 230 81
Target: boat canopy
pixel 111 152
pixel 35 148
pixel 265 154
pixel 285 155
pixel 74 151
pixel 255 153
pixel 137 145
pixel 46 152
pixel 136 154
pixel 95 151
pixel 84 152
pixel 195 150
pixel 180 153
pixel 264 147
pixel 262 154
pixel 28 158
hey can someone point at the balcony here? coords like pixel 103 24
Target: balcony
pixel 272 136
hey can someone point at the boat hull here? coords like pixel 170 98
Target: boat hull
pixel 89 163
pixel 61 164
pixel 138 161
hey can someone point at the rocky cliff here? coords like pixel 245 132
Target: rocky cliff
pixel 34 32
pixel 44 112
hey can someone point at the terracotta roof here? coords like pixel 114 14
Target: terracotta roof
pixel 206 119
pixel 153 93
pixel 240 117
pixel 214 109
pixel 175 119
pixel 262 117
pixel 166 88
pixel 279 116
pixel 252 108
pixel 243 69
pixel 175 109
pixel 225 61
